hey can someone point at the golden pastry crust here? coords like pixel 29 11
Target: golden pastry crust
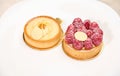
pixel 43 43
pixel 81 54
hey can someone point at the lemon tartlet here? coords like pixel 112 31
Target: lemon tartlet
pixel 42 32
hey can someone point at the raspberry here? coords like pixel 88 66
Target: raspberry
pixel 77 44
pixel 70 34
pixel 82 28
pixel 89 33
pixel 70 28
pixel 77 22
pixel 96 39
pixel 98 30
pixel 69 37
pixel 68 40
pixel 93 25
pixel 88 44
pixel 87 23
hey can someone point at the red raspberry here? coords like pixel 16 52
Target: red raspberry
pixel 78 45
pixel 77 22
pixel 82 28
pixel 70 28
pixel 89 33
pixel 93 25
pixel 70 34
pixel 88 44
pixel 96 39
pixel 98 30
pixel 69 37
pixel 68 40
pixel 87 23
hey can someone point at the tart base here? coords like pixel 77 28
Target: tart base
pixel 81 54
pixel 59 41
pixel 42 32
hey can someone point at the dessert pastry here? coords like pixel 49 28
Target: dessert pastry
pixel 83 40
pixel 42 32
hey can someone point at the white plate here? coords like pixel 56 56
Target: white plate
pixel 17 59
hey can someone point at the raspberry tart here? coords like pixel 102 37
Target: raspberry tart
pixel 83 39
pixel 42 32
